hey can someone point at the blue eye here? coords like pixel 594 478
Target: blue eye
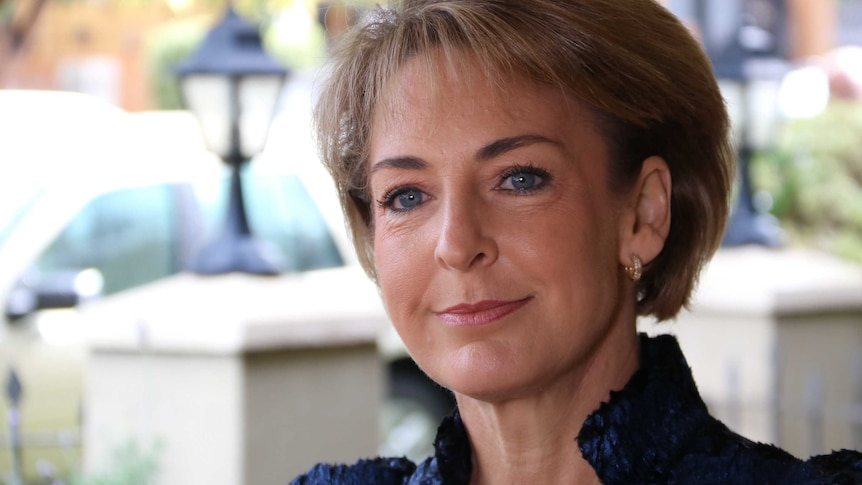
pixel 407 200
pixel 402 200
pixel 523 179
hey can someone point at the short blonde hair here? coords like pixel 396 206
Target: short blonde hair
pixel 631 62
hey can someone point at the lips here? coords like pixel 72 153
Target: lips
pixel 480 313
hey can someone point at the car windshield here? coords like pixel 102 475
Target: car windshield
pixel 15 201
pixel 136 235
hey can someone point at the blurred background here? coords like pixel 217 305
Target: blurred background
pixel 181 303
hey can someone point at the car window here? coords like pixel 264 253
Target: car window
pixel 138 235
pixel 129 235
pixel 15 201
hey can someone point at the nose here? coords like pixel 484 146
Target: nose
pixel 466 240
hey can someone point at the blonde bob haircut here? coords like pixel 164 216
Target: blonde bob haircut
pixel 631 62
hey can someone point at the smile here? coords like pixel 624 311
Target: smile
pixel 480 313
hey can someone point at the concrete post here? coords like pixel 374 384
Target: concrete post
pixel 242 380
pixel 774 338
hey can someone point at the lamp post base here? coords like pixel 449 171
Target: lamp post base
pixel 747 227
pixel 238 253
pixel 236 249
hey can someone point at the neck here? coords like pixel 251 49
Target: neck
pixel 532 439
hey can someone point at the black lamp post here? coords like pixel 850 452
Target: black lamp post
pixel 232 87
pixel 744 39
pixel 14 390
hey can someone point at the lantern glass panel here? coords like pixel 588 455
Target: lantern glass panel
pixel 258 102
pixel 208 97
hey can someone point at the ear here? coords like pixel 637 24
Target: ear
pixel 646 222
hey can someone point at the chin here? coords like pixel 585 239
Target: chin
pixel 482 373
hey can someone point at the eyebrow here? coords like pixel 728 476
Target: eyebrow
pixel 504 145
pixel 487 152
pixel 406 163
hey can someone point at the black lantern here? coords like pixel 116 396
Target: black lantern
pixel 233 87
pixel 745 39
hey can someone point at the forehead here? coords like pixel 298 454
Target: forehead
pixel 433 90
pixel 435 78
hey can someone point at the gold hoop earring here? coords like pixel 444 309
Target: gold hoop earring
pixel 635 271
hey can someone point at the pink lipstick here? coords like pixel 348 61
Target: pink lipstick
pixel 479 313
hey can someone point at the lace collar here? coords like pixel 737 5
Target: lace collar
pixel 639 432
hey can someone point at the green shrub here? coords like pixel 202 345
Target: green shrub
pixel 167 46
pixel 814 174
pixel 131 464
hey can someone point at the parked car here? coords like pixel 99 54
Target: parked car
pixel 95 201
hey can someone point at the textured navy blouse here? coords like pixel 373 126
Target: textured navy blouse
pixel 656 430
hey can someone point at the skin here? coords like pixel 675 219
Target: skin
pixel 498 247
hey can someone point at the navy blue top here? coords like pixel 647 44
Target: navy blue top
pixel 656 430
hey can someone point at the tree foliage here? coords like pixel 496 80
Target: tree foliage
pixel 17 20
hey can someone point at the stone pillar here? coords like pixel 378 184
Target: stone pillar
pixel 242 380
pixel 774 338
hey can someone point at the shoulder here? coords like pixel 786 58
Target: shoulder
pixel 383 471
pixel 843 467
pixel 719 455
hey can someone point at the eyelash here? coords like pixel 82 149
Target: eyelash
pixel 388 199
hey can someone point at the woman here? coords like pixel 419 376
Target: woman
pixel 522 178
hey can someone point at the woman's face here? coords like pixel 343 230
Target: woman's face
pixel 496 237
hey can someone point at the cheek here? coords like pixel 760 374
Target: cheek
pixel 572 244
pixel 400 273
pixel 403 277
